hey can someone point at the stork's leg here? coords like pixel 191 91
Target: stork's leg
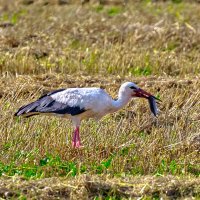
pixel 74 139
pixel 76 142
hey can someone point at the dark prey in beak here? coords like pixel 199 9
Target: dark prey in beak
pixel 151 99
pixel 152 105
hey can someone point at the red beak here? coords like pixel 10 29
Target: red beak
pixel 143 94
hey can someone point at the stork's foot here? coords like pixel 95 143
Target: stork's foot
pixel 77 144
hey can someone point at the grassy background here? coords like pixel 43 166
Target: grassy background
pixel 45 46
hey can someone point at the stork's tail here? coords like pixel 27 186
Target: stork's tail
pixel 27 110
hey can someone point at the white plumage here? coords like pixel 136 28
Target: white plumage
pixel 93 100
pixel 83 103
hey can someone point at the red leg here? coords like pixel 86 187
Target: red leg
pixel 76 142
pixel 74 139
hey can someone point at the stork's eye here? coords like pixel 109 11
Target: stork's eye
pixel 133 87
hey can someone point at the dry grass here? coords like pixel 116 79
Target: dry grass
pixel 45 47
pixel 140 39
pixel 86 187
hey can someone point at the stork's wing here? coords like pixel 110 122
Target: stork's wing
pixel 59 102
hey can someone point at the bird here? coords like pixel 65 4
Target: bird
pixel 78 104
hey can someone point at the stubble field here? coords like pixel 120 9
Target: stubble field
pixel 46 45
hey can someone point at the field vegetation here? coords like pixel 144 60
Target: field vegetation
pixel 46 45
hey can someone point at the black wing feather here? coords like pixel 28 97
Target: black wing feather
pixel 53 92
pixel 46 104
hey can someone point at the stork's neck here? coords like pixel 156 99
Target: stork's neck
pixel 120 102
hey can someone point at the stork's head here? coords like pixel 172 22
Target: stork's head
pixel 130 89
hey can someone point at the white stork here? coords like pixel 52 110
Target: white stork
pixel 83 103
